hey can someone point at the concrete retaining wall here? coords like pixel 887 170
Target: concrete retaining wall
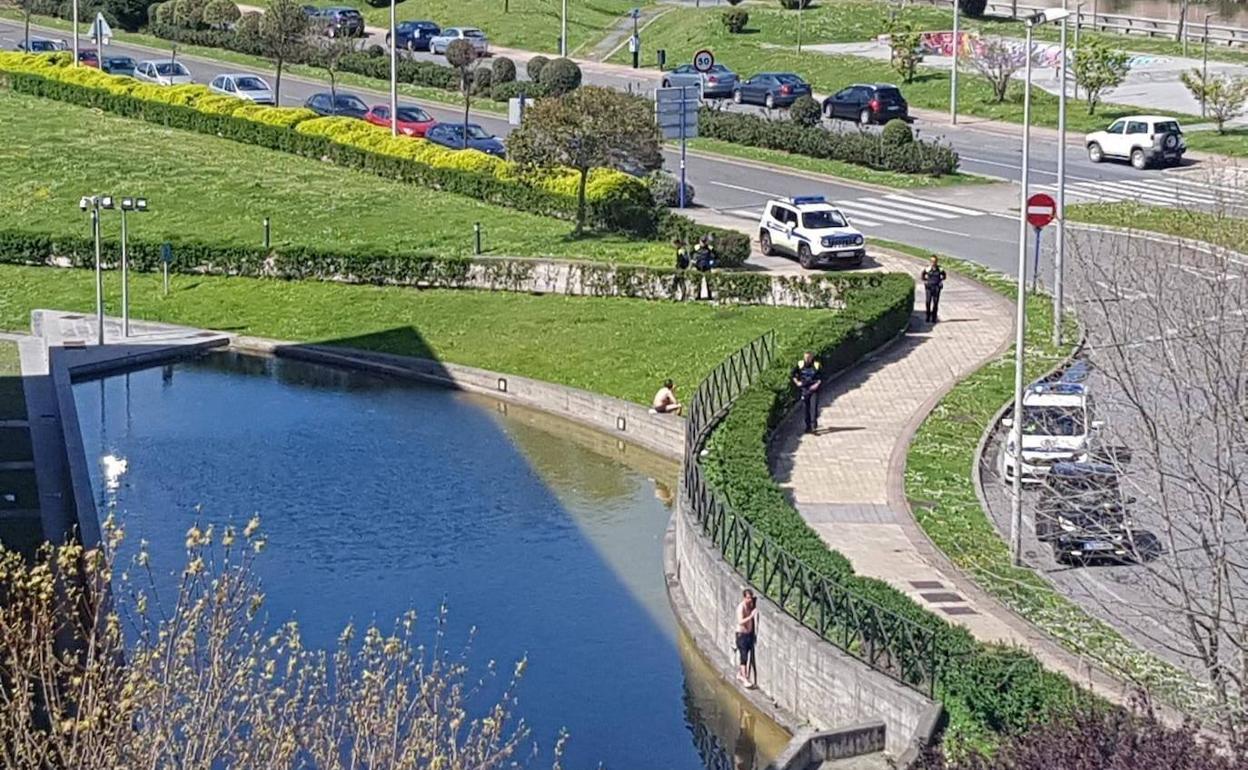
pixel 803 674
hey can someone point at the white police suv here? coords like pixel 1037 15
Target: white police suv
pixel 812 230
pixel 1057 428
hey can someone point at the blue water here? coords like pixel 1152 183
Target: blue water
pixel 377 496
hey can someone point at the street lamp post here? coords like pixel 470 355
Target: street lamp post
pixel 1204 64
pixel 1078 26
pixel 563 30
pixel 94 203
pixel 127 204
pixel 1061 192
pixel 394 72
pixel 800 5
pixel 75 15
pixel 1020 319
pixel 953 76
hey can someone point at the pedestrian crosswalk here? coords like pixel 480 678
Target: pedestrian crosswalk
pixel 887 210
pixel 1175 191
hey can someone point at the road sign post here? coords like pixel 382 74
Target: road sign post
pixel 1041 209
pixel 166 256
pixel 676 112
pixel 101 35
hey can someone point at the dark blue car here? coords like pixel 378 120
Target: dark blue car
pixel 414 35
pixel 452 135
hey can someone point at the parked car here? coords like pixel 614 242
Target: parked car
pixel 415 35
pixel 42 45
pixel 452 135
pixel 770 89
pixel 410 121
pixel 438 43
pixel 163 73
pixel 867 104
pixel 89 57
pixel 1057 428
pixel 1082 514
pixel 344 105
pixel 338 21
pixel 1142 139
pixel 718 83
pixel 809 229
pixel 119 65
pixel 250 88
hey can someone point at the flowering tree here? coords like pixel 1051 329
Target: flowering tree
pixel 998 60
pixel 116 674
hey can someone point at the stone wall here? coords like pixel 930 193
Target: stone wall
pixel 803 674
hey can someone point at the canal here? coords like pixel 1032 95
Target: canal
pixel 379 495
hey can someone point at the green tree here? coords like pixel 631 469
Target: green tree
pixel 904 40
pixel 27 7
pixel 588 128
pixel 127 14
pixel 461 55
pixel 560 76
pixel 806 111
pixel 189 14
pixel 329 58
pixel 1223 97
pixel 282 35
pixel 248 26
pixel 220 14
pixel 1099 68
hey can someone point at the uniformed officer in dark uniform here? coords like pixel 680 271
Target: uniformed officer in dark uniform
pixel 805 376
pixel 933 282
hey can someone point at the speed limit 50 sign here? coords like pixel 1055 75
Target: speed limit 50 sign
pixel 703 60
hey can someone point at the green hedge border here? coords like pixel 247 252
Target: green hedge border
pixel 987 689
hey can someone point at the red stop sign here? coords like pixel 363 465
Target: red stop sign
pixel 1041 209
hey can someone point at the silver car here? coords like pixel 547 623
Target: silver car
pixel 476 37
pixel 250 88
pixel 716 83
pixel 163 73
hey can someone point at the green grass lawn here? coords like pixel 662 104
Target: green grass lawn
pixel 214 189
pixel 683 31
pixel 1219 229
pixel 832 167
pixel 620 347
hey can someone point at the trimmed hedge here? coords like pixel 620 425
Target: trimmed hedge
pixel 988 690
pixel 425 270
pixel 859 148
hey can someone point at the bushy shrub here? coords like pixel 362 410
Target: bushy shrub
pixel 918 157
pixel 248 26
pixel 733 247
pixel 973 8
pixel 482 79
pixel 793 5
pixel 535 66
pixel 503 69
pixel 735 20
pixel 665 189
pixel 189 13
pixel 220 14
pixel 163 13
pixel 806 111
pixel 560 76
pixel 503 91
pixel 897 132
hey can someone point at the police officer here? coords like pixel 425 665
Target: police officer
pixel 679 285
pixel 933 282
pixel 704 260
pixel 805 376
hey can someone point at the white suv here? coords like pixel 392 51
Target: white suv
pixel 1142 139
pixel 1057 427
pixel 811 230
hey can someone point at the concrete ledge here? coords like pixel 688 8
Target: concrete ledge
pixel 810 749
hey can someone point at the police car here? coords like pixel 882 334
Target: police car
pixel 1057 427
pixel 812 230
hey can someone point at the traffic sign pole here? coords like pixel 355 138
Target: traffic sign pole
pixel 684 131
pixel 1035 268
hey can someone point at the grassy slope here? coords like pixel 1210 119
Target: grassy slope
pixel 685 30
pixel 1218 229
pixel 199 186
pixel 619 347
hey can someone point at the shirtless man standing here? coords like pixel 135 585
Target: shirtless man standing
pixel 747 620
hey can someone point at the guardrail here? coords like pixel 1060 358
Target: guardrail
pixel 888 642
pixel 1124 24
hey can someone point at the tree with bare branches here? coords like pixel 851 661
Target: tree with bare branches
pixel 998 61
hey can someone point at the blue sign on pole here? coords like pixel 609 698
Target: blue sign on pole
pixel 166 252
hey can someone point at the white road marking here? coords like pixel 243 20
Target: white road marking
pixel 934 205
pixel 853 207
pixel 888 205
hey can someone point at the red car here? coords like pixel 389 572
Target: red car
pixel 412 121
pixel 89 57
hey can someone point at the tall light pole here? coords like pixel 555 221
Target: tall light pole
pixel 75 14
pixel 1078 26
pixel 1204 64
pixel 94 203
pixel 1061 191
pixel 127 204
pixel 800 5
pixel 953 76
pixel 1020 318
pixel 563 30
pixel 394 72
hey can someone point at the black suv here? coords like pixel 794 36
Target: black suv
pixel 1082 513
pixel 343 105
pixel 867 104
pixel 339 21
pixel 415 35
